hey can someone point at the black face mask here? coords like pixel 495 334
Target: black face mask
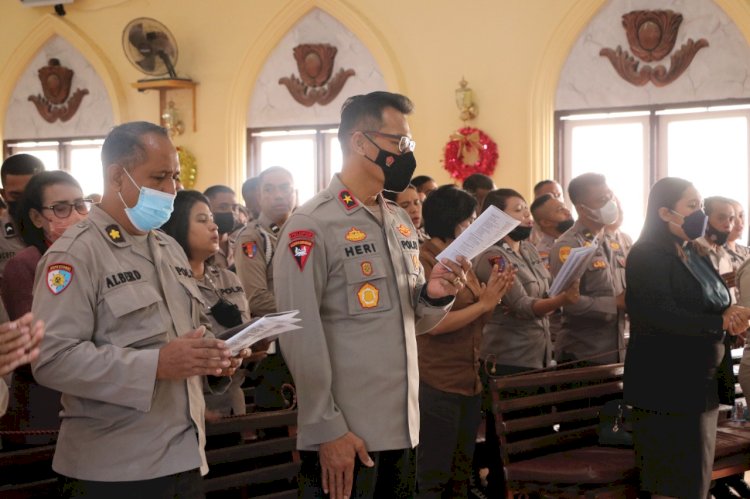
pixel 563 226
pixel 520 233
pixel 227 314
pixel 397 168
pixel 715 236
pixel 225 221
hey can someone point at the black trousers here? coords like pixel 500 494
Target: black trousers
pixel 185 485
pixel 393 476
pixel 447 436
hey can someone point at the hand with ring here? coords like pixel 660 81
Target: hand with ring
pixel 447 278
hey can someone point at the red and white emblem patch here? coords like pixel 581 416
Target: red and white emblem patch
pixel 59 277
pixel 301 243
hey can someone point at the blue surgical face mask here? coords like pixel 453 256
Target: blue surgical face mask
pixel 152 210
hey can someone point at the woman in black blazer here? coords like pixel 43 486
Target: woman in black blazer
pixel 676 364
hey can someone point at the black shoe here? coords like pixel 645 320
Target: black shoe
pixel 721 491
pixel 739 485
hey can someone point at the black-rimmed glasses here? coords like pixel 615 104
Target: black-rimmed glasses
pixel 405 144
pixel 63 210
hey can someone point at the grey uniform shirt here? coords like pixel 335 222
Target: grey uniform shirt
pixel 515 335
pixel 110 301
pixel 218 282
pixel 593 325
pixel 357 281
pixel 10 241
pixel 253 252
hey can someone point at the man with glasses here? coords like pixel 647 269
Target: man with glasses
pixel 15 173
pixel 348 260
pixel 126 342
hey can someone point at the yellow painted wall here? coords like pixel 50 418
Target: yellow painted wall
pixel 510 51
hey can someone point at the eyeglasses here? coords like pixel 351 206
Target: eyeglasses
pixel 405 144
pixel 63 210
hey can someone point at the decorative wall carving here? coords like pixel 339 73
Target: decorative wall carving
pixel 652 35
pixel 56 82
pixel 315 65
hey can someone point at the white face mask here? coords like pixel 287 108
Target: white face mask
pixel 605 215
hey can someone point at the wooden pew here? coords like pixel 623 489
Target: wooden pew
pixel 265 466
pixel 546 424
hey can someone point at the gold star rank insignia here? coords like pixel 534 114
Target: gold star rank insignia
pixel 348 200
pixel 115 233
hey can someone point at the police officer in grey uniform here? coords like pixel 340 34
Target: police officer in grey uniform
pixel 125 343
pixel 517 336
pixel 593 329
pixel 349 261
pixel 551 220
pixel 256 243
pixel 15 173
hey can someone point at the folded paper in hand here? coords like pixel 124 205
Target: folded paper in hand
pixel 247 334
pixel 574 267
pixel 490 227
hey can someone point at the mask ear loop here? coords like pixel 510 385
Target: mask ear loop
pixel 133 181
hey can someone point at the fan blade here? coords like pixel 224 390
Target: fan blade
pixel 148 63
pixel 160 42
pixel 138 38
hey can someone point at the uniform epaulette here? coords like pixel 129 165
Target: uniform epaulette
pixel 65 242
pixel 318 200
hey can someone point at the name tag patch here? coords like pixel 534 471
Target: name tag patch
pixel 122 277
pixel 59 277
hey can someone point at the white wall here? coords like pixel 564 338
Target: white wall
pixel 719 71
pixel 94 116
pixel 272 105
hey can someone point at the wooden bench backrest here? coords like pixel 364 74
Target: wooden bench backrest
pixel 548 411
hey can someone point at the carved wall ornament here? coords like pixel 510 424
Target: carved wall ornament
pixel 652 35
pixel 315 65
pixel 56 80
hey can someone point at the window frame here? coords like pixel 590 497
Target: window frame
pixel 321 143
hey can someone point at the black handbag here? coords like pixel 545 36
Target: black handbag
pixel 615 425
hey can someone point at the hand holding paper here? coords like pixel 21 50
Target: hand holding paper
pixel 247 334
pixel 491 226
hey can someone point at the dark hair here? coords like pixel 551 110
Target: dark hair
pixel 365 112
pixel 123 143
pixel 478 181
pixel 499 198
pixel 393 196
pixel 539 202
pixel 178 225
pixel 20 164
pixel 541 184
pixel 664 194
pixel 578 186
pixel 420 180
pixel 212 191
pixel 33 197
pixel 444 209
pixel 710 203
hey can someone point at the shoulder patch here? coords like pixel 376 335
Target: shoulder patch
pixel 301 243
pixel 500 261
pixel 564 253
pixel 348 200
pixel 250 248
pixel 59 277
